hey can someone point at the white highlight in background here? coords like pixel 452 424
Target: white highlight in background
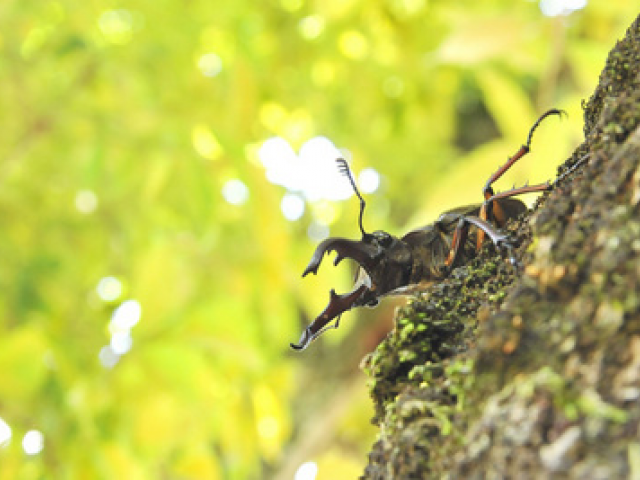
pixel 33 442
pixel 86 201
pixel 307 471
pixel 126 315
pixel 109 289
pixel 313 172
pixel 108 358
pixel 555 8
pixel 121 342
pixel 210 64
pixel 369 180
pixel 5 433
pixel 235 192
pixel 292 206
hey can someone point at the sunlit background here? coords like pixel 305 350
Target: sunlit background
pixel 166 171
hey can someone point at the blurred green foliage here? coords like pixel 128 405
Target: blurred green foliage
pixel 122 124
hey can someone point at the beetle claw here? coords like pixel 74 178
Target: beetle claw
pixel 508 248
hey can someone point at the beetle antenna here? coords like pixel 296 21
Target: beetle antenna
pixel 343 166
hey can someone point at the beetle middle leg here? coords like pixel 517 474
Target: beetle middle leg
pixel 461 233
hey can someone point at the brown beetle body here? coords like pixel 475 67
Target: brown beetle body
pixel 431 244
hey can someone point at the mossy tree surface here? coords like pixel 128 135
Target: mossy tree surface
pixel 532 374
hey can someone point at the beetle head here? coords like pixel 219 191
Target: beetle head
pixel 384 263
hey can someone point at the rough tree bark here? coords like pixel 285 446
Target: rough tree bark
pixel 533 374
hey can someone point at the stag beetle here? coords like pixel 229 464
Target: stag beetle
pixel 388 264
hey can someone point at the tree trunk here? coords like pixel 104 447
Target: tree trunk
pixel 497 373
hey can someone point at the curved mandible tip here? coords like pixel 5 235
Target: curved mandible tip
pixel 338 304
pixel 304 341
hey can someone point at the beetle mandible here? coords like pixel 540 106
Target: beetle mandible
pixel 388 264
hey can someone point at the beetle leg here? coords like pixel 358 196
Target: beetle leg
pixel 524 149
pixel 488 209
pixel 491 208
pixel 462 231
pixel 571 169
pixel 457 242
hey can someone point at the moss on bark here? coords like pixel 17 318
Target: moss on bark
pixel 533 374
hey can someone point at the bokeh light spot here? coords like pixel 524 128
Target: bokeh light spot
pixel 292 206
pixel 33 442
pixel 86 201
pixel 313 173
pixel 126 315
pixel 268 428
pixel 108 358
pixel 353 45
pixel 281 163
pixel 311 27
pixel 369 180
pixel 210 64
pixel 323 180
pixel 109 289
pixel 307 471
pixel 235 192
pixel 205 142
pixel 317 231
pixel 5 433
pixel 116 25
pixel 121 342
pixel 555 8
